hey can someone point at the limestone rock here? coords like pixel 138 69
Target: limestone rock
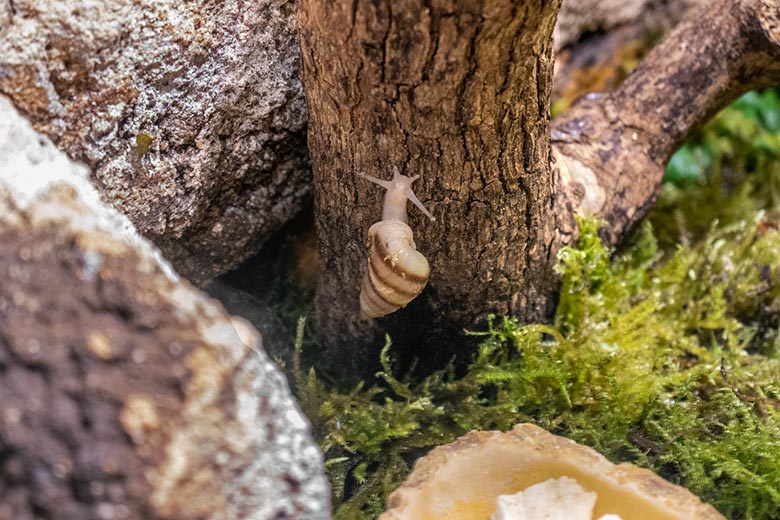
pixel 214 83
pixel 127 394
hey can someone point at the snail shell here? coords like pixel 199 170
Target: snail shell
pixel 397 272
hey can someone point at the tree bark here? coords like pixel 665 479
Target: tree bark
pixel 457 92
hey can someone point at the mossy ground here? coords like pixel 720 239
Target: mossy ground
pixel 664 353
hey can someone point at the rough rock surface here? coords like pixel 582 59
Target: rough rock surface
pixel 214 82
pixel 127 394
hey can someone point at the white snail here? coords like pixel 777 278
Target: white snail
pixel 397 272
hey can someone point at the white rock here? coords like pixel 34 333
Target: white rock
pixel 554 499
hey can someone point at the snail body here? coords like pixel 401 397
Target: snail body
pixel 397 272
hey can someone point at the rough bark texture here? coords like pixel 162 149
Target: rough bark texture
pixel 611 149
pixel 125 393
pixel 214 82
pixel 457 92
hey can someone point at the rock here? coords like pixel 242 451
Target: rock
pixel 189 115
pixel 126 393
pixel 596 41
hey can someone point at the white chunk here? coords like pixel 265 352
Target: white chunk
pixel 554 499
pixel 509 507
pixel 610 517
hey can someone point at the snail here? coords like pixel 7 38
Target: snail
pixel 397 272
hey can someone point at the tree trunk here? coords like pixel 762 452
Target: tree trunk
pixel 457 92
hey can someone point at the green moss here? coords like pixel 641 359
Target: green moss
pixel 664 353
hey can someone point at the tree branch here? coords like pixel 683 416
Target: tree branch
pixel 610 149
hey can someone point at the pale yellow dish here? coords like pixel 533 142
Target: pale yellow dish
pixel 462 480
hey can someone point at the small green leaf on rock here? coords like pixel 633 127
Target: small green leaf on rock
pixel 143 142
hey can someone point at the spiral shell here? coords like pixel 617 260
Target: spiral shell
pixel 397 272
